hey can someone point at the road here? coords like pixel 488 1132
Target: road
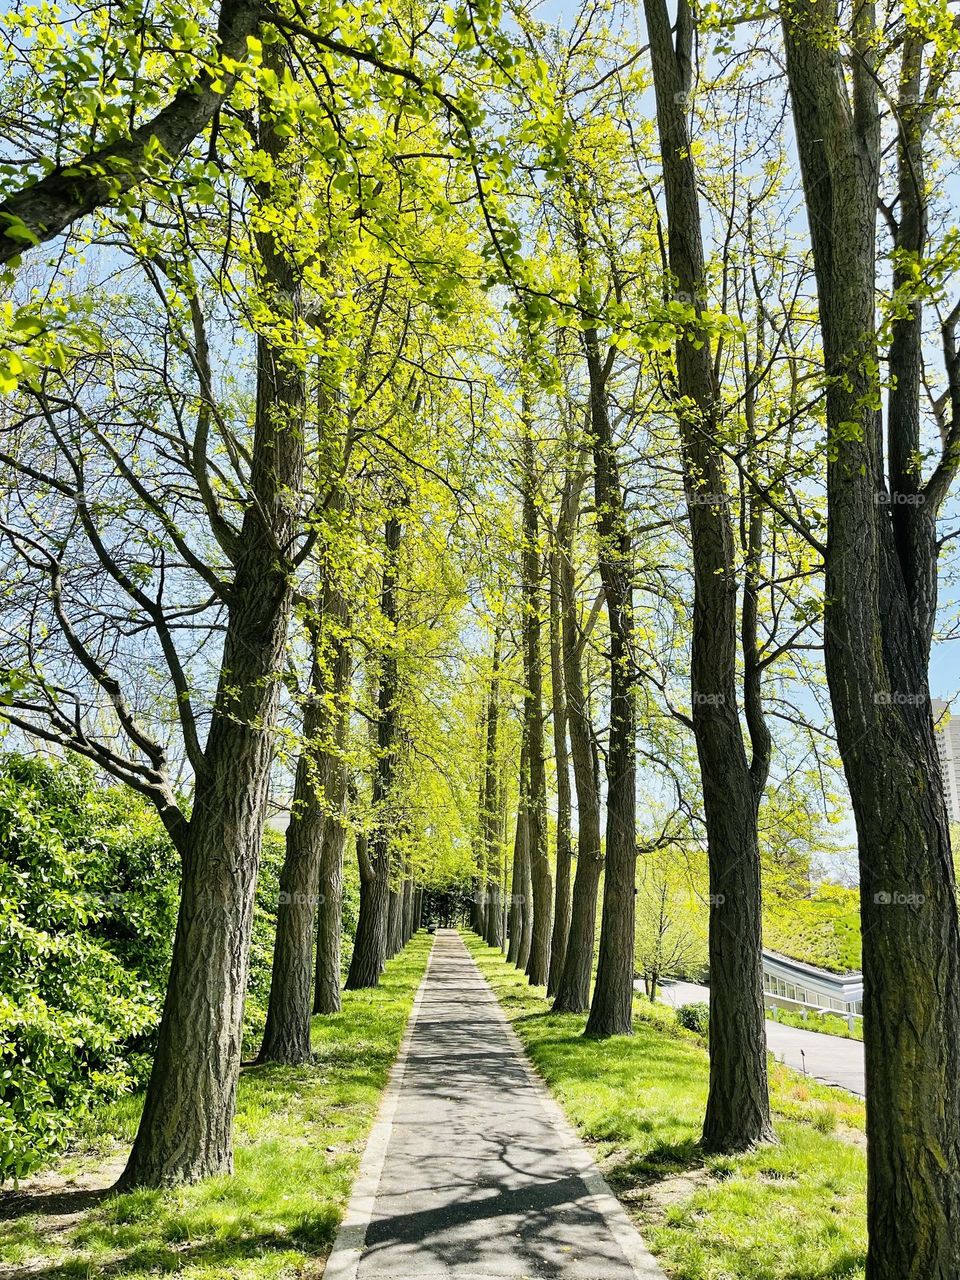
pixel 830 1059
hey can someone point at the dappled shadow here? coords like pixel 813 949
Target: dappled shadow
pixel 49 1202
pixel 478 1178
pixel 161 1256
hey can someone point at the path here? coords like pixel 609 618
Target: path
pixel 472 1171
pixel 829 1059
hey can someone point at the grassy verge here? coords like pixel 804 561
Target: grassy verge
pixel 298 1140
pixel 793 1211
pixel 831 1024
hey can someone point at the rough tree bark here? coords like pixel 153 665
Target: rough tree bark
pixel 518 879
pixel 880 599
pixel 538 855
pixel 286 1035
pixel 406 918
pixel 370 944
pixel 562 905
pixel 611 1009
pixel 492 922
pixel 738 1107
pixel 185 1129
pixel 573 990
pixel 326 983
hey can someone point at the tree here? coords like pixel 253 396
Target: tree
pixel 373 852
pixel 738 1108
pixel 573 989
pixel 671 916
pixel 562 908
pixel 536 858
pixel 312 865
pixel 881 560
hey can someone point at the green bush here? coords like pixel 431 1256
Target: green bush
pixel 88 894
pixel 695 1017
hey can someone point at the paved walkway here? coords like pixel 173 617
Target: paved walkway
pixel 472 1172
pixel 829 1059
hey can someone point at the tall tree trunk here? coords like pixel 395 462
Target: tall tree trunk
pixel 492 926
pixel 518 877
pixel 326 979
pixel 326 985
pixel 478 900
pixel 370 941
pixel 185 1130
pixel 370 944
pixel 562 906
pixel 611 1009
pixel 286 1036
pixel 406 919
pixel 880 594
pixel 395 921
pixel 573 990
pixel 538 855
pixel 738 1107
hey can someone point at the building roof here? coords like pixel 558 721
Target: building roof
pixel 844 986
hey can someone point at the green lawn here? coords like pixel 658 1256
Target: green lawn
pixel 299 1136
pixel 794 1211
pixel 831 1024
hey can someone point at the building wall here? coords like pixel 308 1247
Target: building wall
pixel 948 747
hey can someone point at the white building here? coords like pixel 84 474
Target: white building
pixel 790 984
pixel 947 730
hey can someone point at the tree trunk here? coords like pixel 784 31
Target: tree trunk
pixel 561 911
pixel 370 942
pixel 515 940
pixel 326 981
pixel 573 990
pixel 185 1130
pixel 738 1107
pixel 370 945
pixel 492 926
pixel 326 988
pixel 395 922
pixel 877 636
pixel 537 963
pixel 406 920
pixel 611 1010
pixel 286 1036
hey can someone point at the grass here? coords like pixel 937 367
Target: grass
pixel 831 1024
pixel 299 1135
pixel 790 1211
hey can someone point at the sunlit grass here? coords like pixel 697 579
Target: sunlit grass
pixel 298 1138
pixel 793 1211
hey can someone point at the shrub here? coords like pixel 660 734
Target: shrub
pixel 88 893
pixel 695 1017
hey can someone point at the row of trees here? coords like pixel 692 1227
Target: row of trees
pixel 387 346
